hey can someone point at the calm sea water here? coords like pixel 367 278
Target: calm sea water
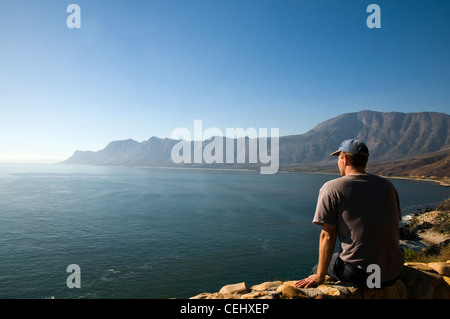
pixel 159 233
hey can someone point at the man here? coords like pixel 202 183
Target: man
pixel 362 211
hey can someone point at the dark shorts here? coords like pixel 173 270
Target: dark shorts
pixel 349 274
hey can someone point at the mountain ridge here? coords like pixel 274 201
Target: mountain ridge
pixel 390 136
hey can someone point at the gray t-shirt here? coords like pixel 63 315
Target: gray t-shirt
pixel 365 209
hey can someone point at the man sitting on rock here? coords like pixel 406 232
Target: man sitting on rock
pixel 363 212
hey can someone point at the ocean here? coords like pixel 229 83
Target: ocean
pixel 160 233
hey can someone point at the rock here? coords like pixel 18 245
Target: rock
pixel 268 285
pixel 419 266
pixel 216 295
pixel 239 288
pixel 424 284
pixel 203 295
pixel 417 281
pixel 330 291
pixel 285 286
pixel 288 291
pixel 257 295
pixel 406 233
pixel 441 268
pixel 424 225
pixel 447 279
pixel 395 291
pixel 435 249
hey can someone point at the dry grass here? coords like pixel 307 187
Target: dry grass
pixel 444 255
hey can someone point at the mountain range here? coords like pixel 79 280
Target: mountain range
pixel 417 138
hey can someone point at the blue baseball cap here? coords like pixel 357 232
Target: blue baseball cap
pixel 352 146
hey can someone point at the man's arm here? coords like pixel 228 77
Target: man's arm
pixel 326 249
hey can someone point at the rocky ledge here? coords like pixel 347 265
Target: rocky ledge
pixel 428 232
pixel 417 281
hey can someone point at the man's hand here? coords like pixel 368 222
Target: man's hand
pixel 312 280
pixel 326 246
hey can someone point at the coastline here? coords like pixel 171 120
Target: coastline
pixel 427 234
pixel 441 181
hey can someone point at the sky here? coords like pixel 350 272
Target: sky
pixel 137 69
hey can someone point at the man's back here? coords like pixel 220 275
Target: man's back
pixel 365 210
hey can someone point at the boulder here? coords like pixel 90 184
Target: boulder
pixel 239 288
pixel 268 285
pixel 417 281
pixel 441 268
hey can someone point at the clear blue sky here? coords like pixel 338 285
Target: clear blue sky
pixel 137 69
